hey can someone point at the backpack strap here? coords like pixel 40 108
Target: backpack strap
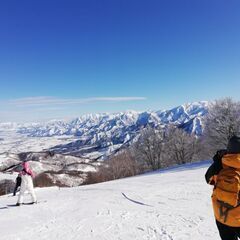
pixel 224 209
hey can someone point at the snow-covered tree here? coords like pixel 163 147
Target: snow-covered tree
pixel 221 123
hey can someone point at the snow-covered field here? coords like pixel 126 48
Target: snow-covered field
pixel 166 205
pixel 14 142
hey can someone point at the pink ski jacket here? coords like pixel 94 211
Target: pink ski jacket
pixel 26 169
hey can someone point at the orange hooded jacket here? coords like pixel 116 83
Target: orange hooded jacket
pixel 233 218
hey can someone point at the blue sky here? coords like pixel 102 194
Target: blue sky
pixel 65 58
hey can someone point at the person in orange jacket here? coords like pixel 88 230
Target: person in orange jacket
pixel 224 174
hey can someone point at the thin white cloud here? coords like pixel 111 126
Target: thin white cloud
pixel 42 108
pixel 46 101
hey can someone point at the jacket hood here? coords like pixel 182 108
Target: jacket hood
pixel 232 160
pixel 234 145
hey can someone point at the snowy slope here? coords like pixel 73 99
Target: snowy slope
pixel 166 205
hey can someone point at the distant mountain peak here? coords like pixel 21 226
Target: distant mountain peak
pixel 105 133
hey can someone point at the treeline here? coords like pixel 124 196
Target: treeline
pixel 169 145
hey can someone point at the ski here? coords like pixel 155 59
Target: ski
pixel 27 203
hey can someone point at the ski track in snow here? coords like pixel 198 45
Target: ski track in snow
pixel 180 210
pixel 134 201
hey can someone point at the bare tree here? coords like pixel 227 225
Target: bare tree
pixel 118 166
pixel 122 165
pixel 221 123
pixel 149 148
pixel 180 146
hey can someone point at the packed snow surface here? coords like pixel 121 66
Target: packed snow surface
pixel 174 204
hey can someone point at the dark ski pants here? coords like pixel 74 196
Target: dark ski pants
pixel 15 190
pixel 227 232
pixel 17 185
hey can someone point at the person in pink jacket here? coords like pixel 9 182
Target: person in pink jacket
pixel 26 184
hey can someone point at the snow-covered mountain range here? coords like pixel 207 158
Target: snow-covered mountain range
pixel 94 124
pixel 100 135
pixel 65 151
